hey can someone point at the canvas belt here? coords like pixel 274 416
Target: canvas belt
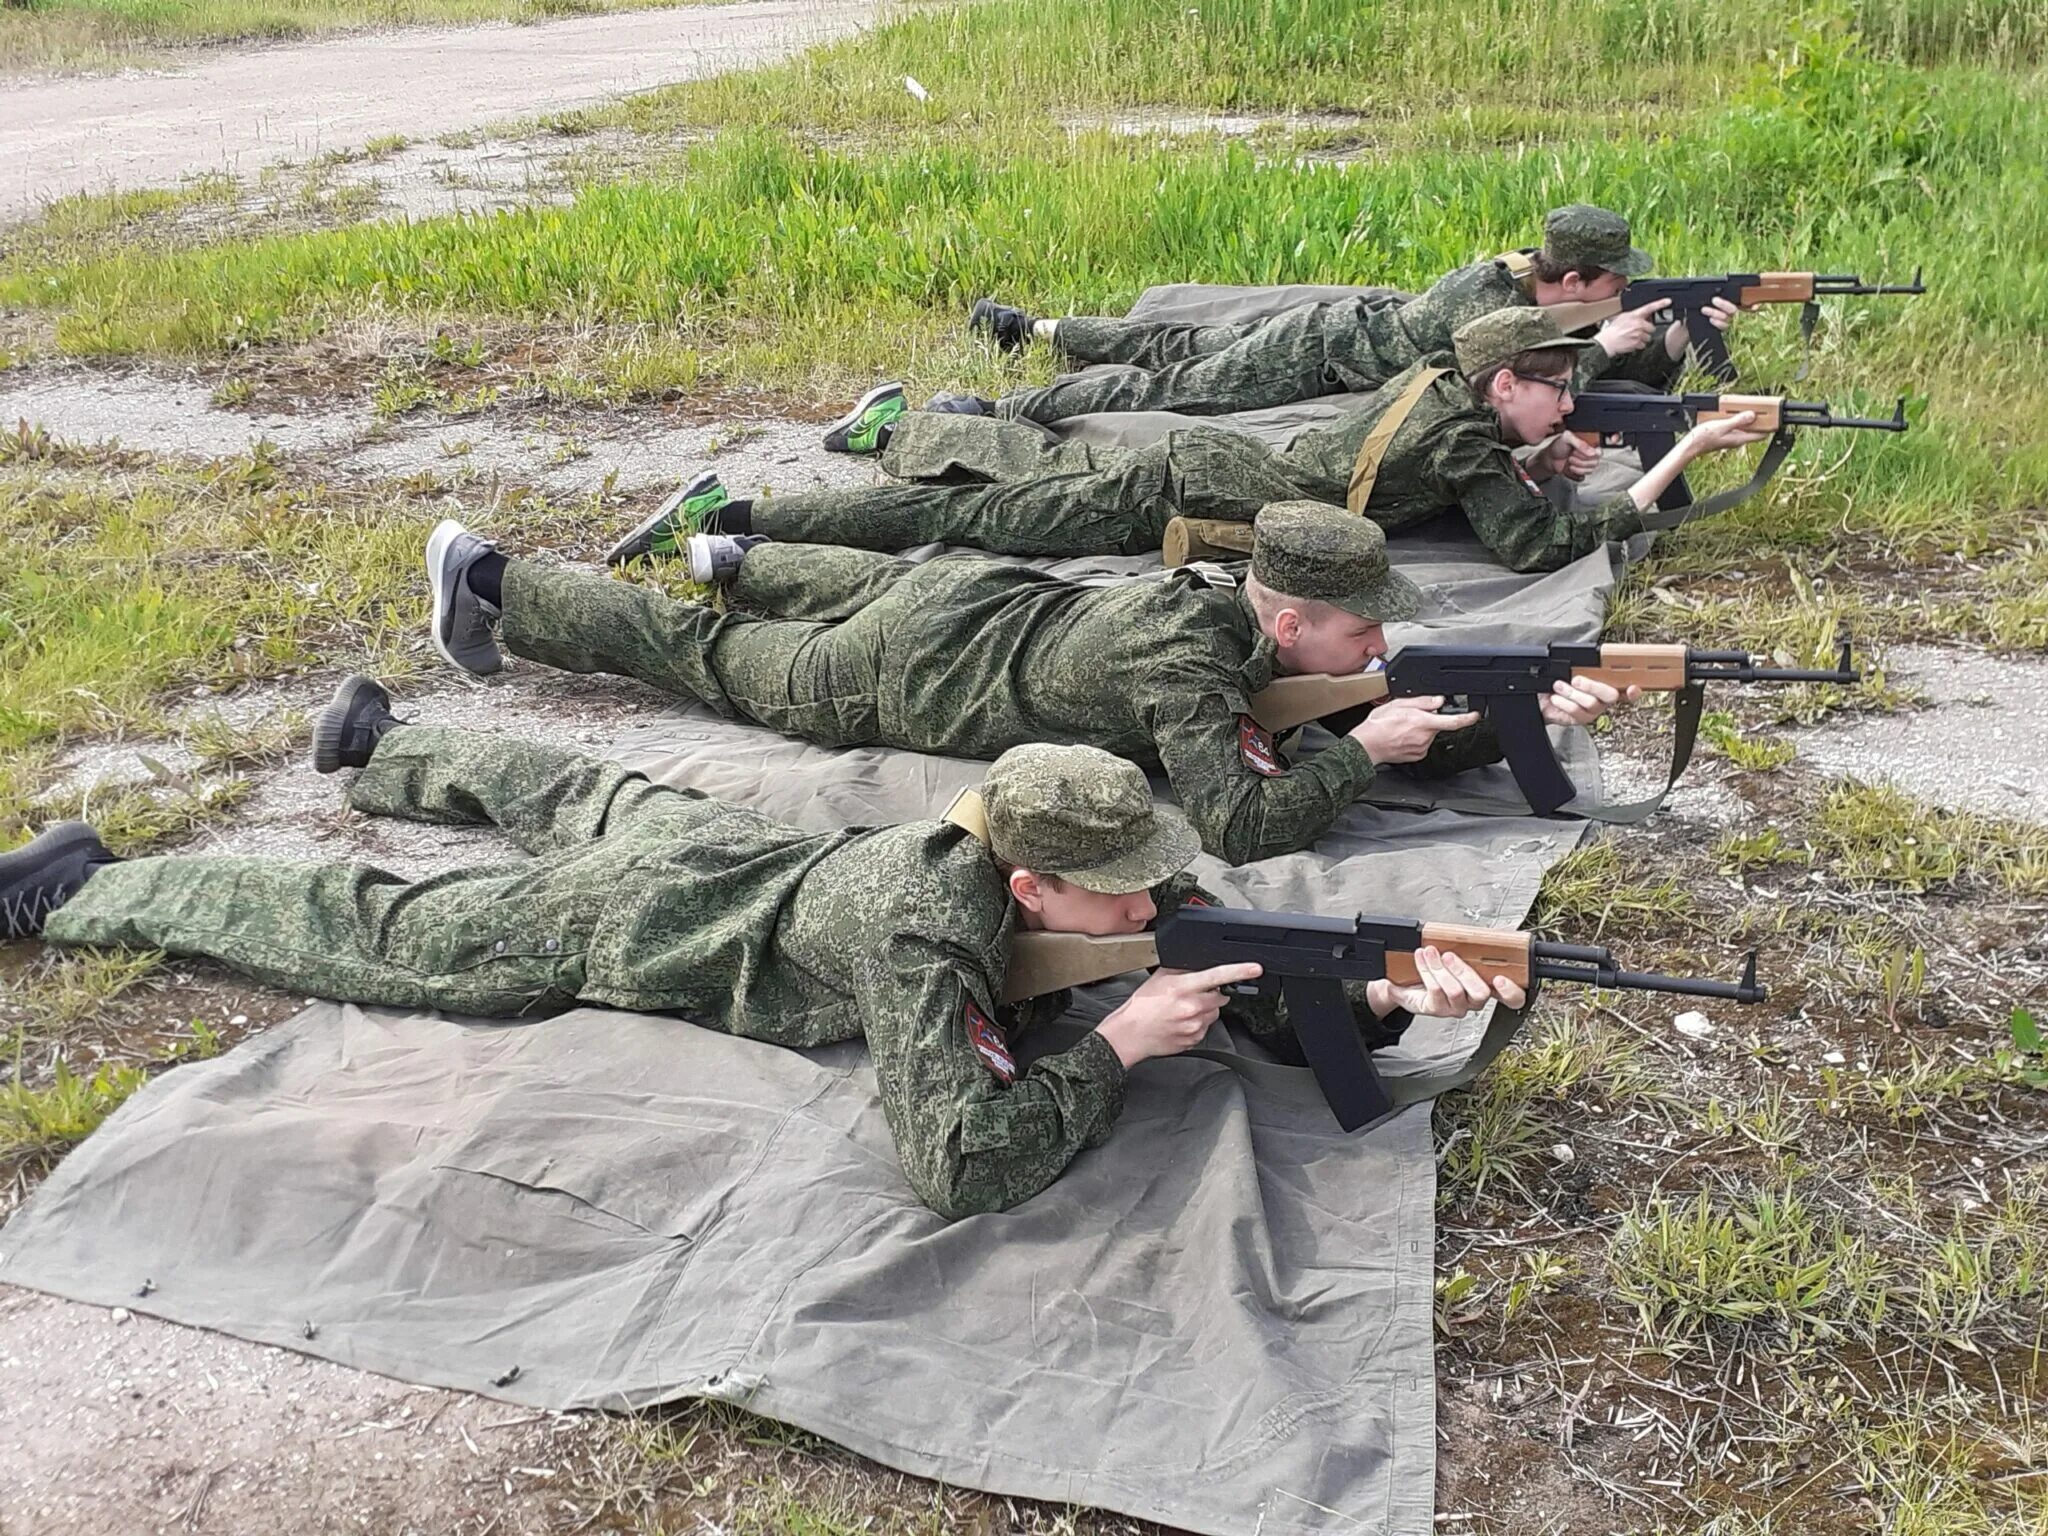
pixel 1366 469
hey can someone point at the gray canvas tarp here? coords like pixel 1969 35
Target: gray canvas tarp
pixel 1220 1320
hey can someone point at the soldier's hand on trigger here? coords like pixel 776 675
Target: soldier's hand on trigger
pixel 1403 730
pixel 1582 700
pixel 1171 1012
pixel 1446 988
pixel 1720 314
pixel 1631 330
pixel 1566 455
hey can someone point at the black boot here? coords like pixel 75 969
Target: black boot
pixel 1007 327
pixel 347 731
pixel 39 877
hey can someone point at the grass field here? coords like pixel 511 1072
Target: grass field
pixel 63 35
pixel 1768 1291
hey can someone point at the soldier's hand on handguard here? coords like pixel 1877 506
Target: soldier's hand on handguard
pixel 1737 431
pixel 1403 730
pixel 1631 330
pixel 1719 314
pixel 1171 1012
pixel 1582 700
pixel 1448 988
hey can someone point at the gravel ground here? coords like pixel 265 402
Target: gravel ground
pixel 236 110
pixel 1982 745
pixel 116 1422
pixel 638 449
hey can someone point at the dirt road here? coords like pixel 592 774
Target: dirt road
pixel 239 110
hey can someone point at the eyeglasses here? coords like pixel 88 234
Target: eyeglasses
pixel 1563 386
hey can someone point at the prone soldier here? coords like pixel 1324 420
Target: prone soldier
pixel 972 657
pixel 1438 438
pixel 1351 345
pixel 663 900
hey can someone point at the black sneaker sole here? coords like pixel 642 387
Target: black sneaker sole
pixel 332 722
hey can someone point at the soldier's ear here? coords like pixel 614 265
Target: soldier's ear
pixel 1026 891
pixel 1287 626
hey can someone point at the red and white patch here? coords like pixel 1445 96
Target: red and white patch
pixel 1255 746
pixel 991 1043
pixel 1528 479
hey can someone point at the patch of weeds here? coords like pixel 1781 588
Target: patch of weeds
pixel 1495 1131
pixel 1764 1259
pixel 230 393
pixel 51 1119
pixel 384 146
pixel 135 819
pixel 1752 754
pixel 468 402
pixel 400 389
pixel 219 743
pixel 456 448
pixel 1874 835
pixel 444 348
pixel 1740 852
pixel 1588 889
pixel 2027 1061
pixel 66 987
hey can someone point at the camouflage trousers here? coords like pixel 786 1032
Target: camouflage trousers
pixel 804 658
pixel 1009 488
pixel 1209 370
pixel 494 942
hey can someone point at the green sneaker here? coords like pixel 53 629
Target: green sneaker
pixel 693 509
pixel 865 428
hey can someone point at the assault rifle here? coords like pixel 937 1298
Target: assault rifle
pixel 1651 424
pixel 1506 683
pixel 1307 959
pixel 1690 296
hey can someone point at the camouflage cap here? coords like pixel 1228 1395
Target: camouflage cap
pixel 1307 549
pixel 1495 337
pixel 1084 815
pixel 1581 235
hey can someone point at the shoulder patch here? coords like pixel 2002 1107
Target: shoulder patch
pixel 1196 899
pixel 1255 747
pixel 989 1043
pixel 1528 480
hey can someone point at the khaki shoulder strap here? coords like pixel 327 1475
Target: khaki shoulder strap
pixel 1367 469
pixel 1521 265
pixel 1288 702
pixel 969 813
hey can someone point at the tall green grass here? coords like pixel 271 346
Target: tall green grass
pixel 788 258
pixel 1000 59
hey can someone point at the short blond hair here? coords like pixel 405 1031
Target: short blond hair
pixel 1268 604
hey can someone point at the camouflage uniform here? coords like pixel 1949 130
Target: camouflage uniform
pixel 663 900
pixel 1352 346
pixel 972 657
pixel 1005 487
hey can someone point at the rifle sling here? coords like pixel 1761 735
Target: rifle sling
pixel 1686 709
pixel 1658 520
pixel 1366 468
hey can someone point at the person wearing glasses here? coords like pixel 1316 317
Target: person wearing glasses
pixel 1439 437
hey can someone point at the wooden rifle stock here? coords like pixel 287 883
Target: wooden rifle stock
pixel 1050 962
pixel 1287 702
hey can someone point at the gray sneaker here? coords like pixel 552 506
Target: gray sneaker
pixel 462 620
pixel 715 557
